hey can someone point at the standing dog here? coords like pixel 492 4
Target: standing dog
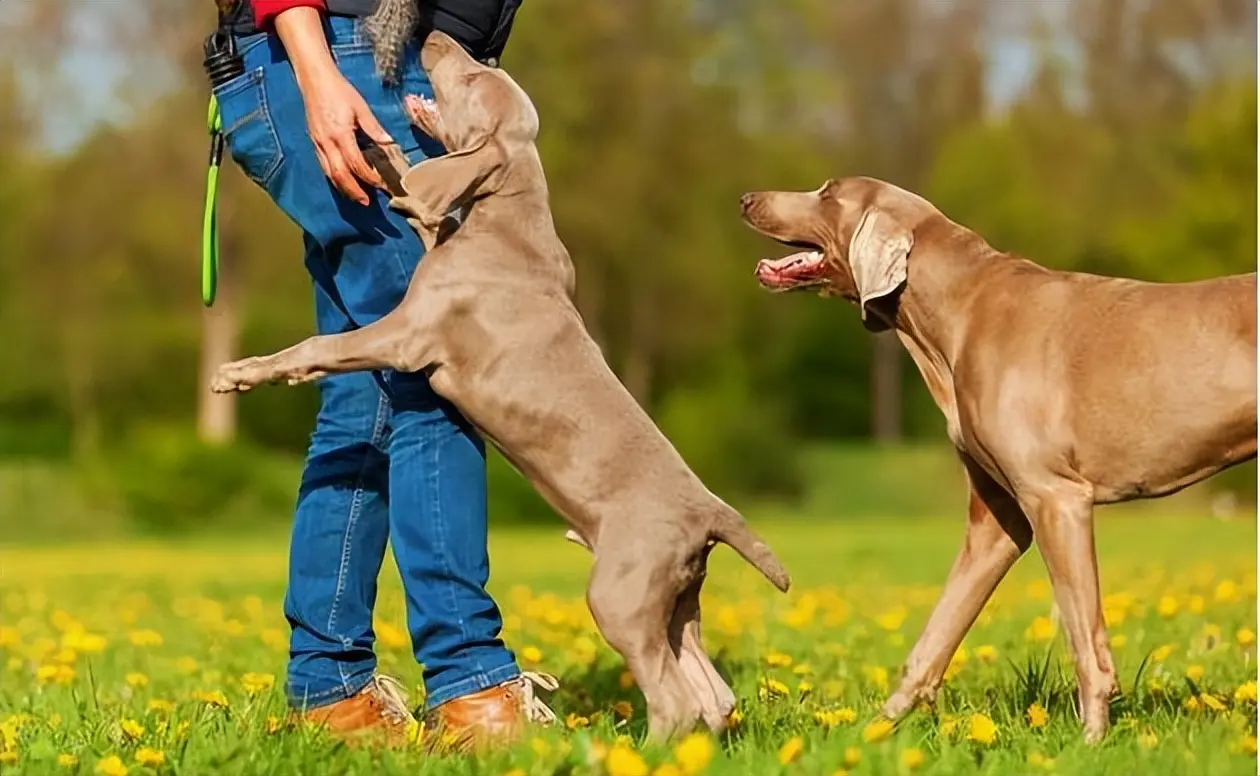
pixel 489 316
pixel 1060 390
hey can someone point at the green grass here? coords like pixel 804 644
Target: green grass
pixel 178 619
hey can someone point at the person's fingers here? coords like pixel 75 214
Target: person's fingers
pixel 341 176
pixel 353 157
pixel 370 126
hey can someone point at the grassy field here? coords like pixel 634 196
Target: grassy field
pixel 167 657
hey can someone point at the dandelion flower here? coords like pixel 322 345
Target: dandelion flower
pixel 791 750
pixel 772 688
pixel 981 729
pixel 150 758
pixel 911 758
pixel 876 675
pixel 211 698
pixel 623 709
pixel 986 653
pixel 1037 716
pixel 1119 640
pixel 576 721
pixel 830 718
pixel 1248 745
pixel 693 753
pixel 667 769
pixel 186 665
pixel 624 761
pixel 46 673
pixel 531 655
pixel 1167 607
pixel 275 724
pixel 8 757
pixel 1041 629
pixel 1147 739
pixel 1226 592
pixel 877 731
pixel 67 760
pixel 9 637
pixel 254 683
pixel 892 619
pixel 1246 637
pixel 1211 701
pixel 1194 672
pixel 1245 692
pixel 111 766
pixel 161 705
pixel 1039 760
pixel 132 728
pixel 1038 590
pixel 135 679
pixel 145 638
pixel 852 756
pixel 778 659
pixel 626 680
pixel 1161 654
pixel 1196 604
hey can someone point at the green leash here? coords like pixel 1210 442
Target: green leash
pixel 210 219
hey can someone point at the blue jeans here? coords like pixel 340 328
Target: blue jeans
pixel 389 458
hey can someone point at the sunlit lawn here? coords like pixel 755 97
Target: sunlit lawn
pixel 169 658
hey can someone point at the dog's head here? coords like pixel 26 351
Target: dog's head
pixel 855 236
pixel 482 117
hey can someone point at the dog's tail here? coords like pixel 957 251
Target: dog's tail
pixel 730 528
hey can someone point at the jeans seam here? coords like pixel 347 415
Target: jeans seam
pixel 356 503
pixel 325 697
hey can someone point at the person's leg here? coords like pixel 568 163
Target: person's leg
pixel 340 529
pixel 365 260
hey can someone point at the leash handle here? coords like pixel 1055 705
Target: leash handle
pixel 210 218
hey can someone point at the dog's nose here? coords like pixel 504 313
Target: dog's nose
pixel 745 202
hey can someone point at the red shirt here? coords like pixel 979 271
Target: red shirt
pixel 265 11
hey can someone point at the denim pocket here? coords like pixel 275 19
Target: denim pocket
pixel 357 63
pixel 247 126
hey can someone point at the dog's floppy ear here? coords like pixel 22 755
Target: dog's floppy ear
pixel 436 186
pixel 878 252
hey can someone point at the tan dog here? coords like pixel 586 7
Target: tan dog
pixel 1060 391
pixel 489 316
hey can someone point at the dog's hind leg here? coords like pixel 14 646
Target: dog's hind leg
pixel 714 695
pixel 997 535
pixel 389 343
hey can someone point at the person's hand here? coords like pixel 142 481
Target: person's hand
pixel 334 108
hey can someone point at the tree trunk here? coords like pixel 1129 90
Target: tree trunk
pixel 886 388
pixel 216 412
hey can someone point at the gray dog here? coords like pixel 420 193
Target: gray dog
pixel 1060 390
pixel 489 316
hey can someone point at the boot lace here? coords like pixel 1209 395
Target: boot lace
pixel 391 697
pixel 535 710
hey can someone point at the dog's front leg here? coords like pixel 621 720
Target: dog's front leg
pixel 389 343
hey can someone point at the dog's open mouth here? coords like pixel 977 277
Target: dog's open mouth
pixel 800 270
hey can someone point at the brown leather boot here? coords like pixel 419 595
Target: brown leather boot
pixel 496 716
pixel 377 712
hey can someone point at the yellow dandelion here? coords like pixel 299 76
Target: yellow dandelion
pixel 1248 745
pixel 986 653
pixel 804 688
pixel 1147 739
pixel 65 655
pixel 576 721
pixel 777 659
pixel 1039 760
pixel 186 665
pixel 9 637
pixel 877 731
pixel 145 638
pixel 1037 716
pixel 132 728
pixel 624 761
pixel 1167 607
pixel 254 683
pixel 1246 692
pixel 1211 701
pixel 150 758
pixel 274 724
pixel 161 706
pixel 1037 590
pixel 694 753
pixel 8 757
pixel 911 759
pixel 981 729
pixel 667 769
pixel 876 675
pixel 1192 703
pixel 949 723
pixel 1246 637
pixel 772 688
pixel 892 619
pixel 136 679
pixel 791 750
pixel 626 680
pixel 211 698
pixel 1162 653
pixel 67 760
pixel 1196 604
pixel 111 766
pixel 830 718
pixel 803 669
pixel 623 709
pixel 1119 640
pixel 532 655
pixel 46 673
pixel 852 756
pixel 274 638
pixel 1194 672
pixel 1226 592
pixel 734 719
pixel 1041 629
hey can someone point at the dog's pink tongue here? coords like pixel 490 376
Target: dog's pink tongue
pixel 773 272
